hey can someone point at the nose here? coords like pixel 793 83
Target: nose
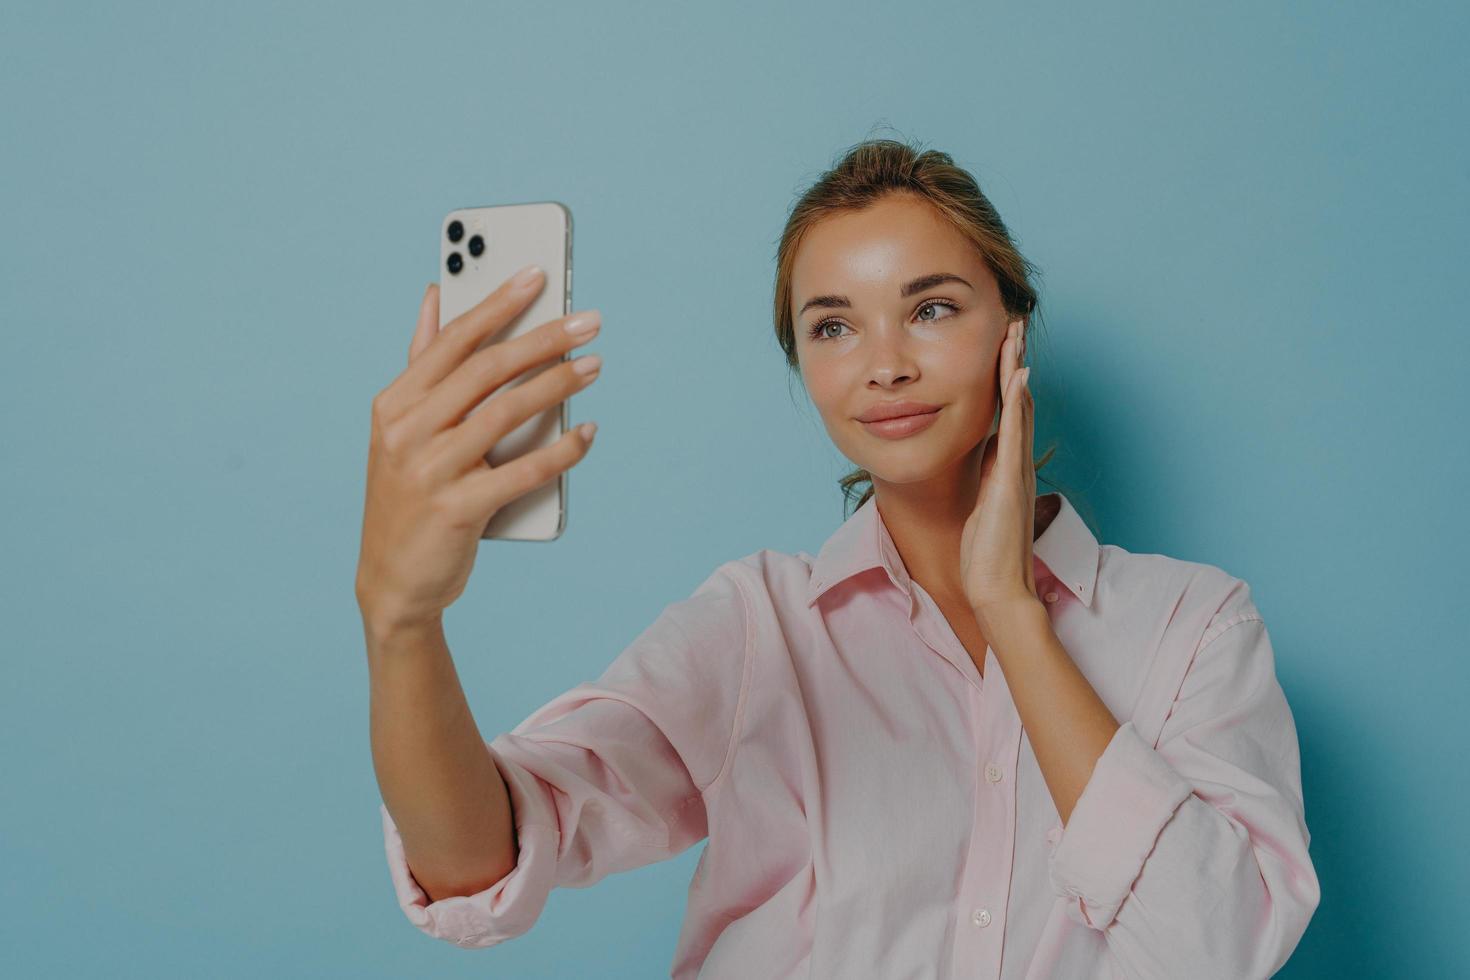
pixel 890 360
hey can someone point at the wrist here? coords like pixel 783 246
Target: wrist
pixel 1009 616
pixel 386 631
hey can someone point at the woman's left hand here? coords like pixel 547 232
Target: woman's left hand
pixel 995 549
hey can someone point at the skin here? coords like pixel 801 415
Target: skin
pixel 887 347
pixel 883 346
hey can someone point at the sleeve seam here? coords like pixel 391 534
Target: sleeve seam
pixel 1213 633
pixel 745 672
pixel 1239 619
pixel 1250 697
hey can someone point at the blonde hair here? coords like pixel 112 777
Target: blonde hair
pixel 871 170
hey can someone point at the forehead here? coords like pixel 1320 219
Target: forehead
pixel 896 238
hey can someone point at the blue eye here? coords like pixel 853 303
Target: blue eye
pixel 815 333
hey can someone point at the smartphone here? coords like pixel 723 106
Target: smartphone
pixel 479 248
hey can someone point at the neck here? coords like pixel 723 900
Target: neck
pixel 926 521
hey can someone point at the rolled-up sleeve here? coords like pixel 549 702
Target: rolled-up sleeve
pixel 609 775
pixel 1192 857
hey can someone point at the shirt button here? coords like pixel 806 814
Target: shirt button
pixel 981 917
pixel 992 772
pixel 1053 835
pixel 1051 597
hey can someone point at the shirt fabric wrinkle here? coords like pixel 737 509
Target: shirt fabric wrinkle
pixel 870 803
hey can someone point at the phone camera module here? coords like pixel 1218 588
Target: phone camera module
pixel 455 263
pixel 456 231
pixel 477 246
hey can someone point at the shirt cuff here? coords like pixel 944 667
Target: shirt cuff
pixel 1131 795
pixel 502 911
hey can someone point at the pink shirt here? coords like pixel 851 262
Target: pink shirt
pixel 871 802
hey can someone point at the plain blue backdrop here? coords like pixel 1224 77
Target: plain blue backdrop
pixel 217 225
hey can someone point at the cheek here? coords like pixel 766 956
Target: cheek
pixel 977 353
pixel 968 366
pixel 825 387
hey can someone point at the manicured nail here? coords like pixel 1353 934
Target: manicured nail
pixel 526 276
pixel 588 430
pixel 584 323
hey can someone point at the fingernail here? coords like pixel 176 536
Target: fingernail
pixel 526 276
pixel 1026 376
pixel 584 323
pixel 587 364
pixel 588 430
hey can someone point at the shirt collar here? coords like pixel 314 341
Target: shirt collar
pixel 1066 551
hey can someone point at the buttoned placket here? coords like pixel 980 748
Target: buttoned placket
pixel 985 882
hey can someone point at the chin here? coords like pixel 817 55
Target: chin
pixel 910 461
pixel 905 466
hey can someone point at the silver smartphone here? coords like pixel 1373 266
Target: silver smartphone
pixel 480 248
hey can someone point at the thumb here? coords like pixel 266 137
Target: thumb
pixel 428 325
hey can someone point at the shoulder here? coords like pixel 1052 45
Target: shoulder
pixel 1191 601
pixel 770 578
pixel 739 597
pixel 1163 615
pixel 1144 576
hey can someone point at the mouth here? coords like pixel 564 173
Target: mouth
pixel 902 425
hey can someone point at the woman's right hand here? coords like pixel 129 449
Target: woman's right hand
pixel 430 490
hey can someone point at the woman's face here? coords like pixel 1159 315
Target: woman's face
pixel 881 340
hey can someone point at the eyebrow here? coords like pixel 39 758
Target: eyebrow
pixel 833 301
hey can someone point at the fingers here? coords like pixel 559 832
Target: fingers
pixel 491 489
pixel 1008 365
pixel 490 316
pixel 1014 421
pixel 458 340
pixel 487 370
pixel 466 443
pixel 1024 371
pixel 1011 415
pixel 1012 352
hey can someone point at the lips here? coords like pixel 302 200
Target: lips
pixel 901 426
pixel 894 410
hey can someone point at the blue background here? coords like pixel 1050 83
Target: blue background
pixel 218 223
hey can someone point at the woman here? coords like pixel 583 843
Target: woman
pixel 963 740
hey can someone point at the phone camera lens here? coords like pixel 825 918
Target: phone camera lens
pixel 456 231
pixel 455 263
pixel 477 246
